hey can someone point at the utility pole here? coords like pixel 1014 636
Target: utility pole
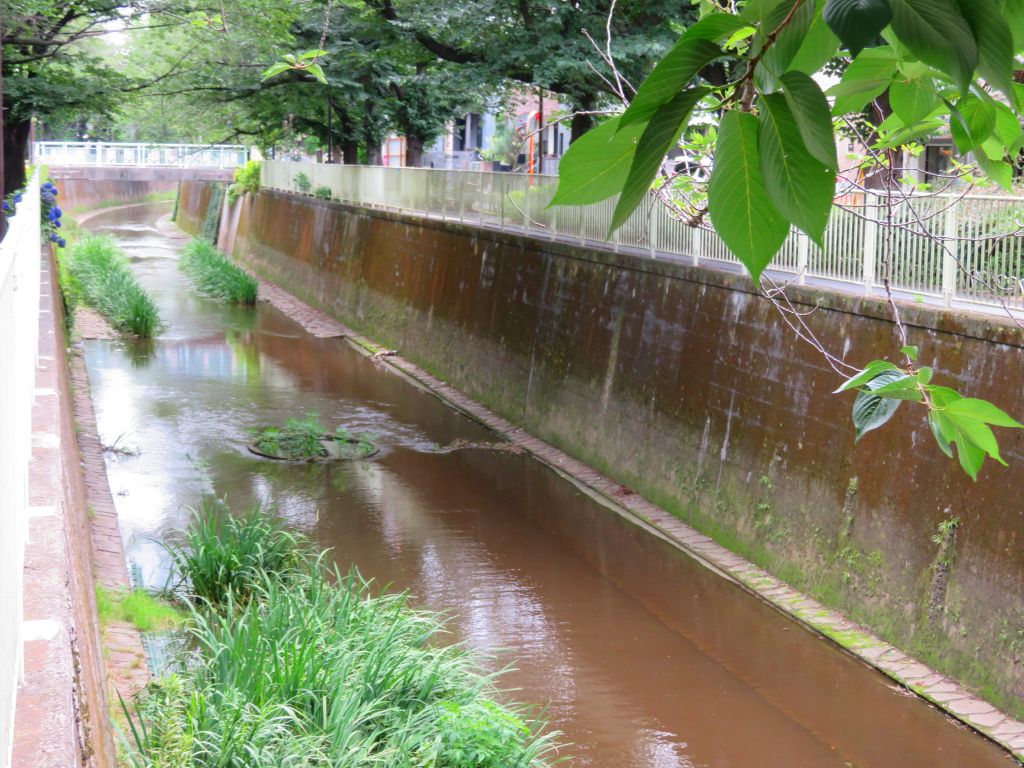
pixel 540 130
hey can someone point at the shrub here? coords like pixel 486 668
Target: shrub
pixel 308 668
pixel 303 439
pixel 216 276
pixel 247 181
pixel 323 193
pixel 303 183
pixel 101 277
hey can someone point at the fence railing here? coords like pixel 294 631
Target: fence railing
pixel 974 254
pixel 140 155
pixel 19 331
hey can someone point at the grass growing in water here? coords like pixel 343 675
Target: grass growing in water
pixel 301 439
pixel 216 276
pixel 304 667
pixel 97 273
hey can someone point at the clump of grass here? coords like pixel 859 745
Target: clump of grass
pixel 307 439
pixel 138 607
pixel 311 669
pixel 98 274
pixel 216 276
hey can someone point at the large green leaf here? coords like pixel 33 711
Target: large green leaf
pixel 801 187
pixel 1000 171
pixel 935 32
pixel 740 208
pixel 972 120
pixel 866 78
pixel 800 15
pixel 858 23
pixel 810 109
pixel 1008 129
pixel 913 98
pixel 983 411
pixel 871 411
pixel 596 165
pixel 1013 13
pixel 715 27
pixel 995 43
pixel 672 74
pixel 818 46
pixel 661 134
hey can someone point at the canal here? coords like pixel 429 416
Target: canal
pixel 641 656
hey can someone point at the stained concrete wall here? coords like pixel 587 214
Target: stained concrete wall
pixel 685 385
pixel 85 187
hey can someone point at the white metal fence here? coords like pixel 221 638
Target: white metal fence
pixel 19 331
pixel 975 253
pixel 140 155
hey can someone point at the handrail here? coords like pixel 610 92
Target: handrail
pixel 976 256
pixel 138 154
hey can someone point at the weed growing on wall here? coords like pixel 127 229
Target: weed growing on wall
pixel 301 665
pixel 216 276
pixel 247 181
pixel 98 274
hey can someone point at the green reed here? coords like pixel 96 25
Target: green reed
pixel 215 275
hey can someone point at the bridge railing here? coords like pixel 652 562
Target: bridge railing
pixel 19 331
pixel 73 153
pixel 974 252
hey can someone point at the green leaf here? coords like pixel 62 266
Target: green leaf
pixel 1013 13
pixel 738 202
pixel 1008 129
pixel 715 27
pixel 778 57
pixel 934 419
pixel 971 121
pixel 801 187
pixel 910 351
pixel 995 43
pixel 942 396
pixel 935 32
pixel 903 388
pixel 661 134
pixel 864 80
pixel 982 410
pixel 913 99
pixel 810 110
pixel 924 375
pixel 870 411
pixel 274 69
pixel 819 46
pixel 1000 171
pixel 870 371
pixel 596 165
pixel 672 74
pixel 858 23
pixel 314 54
pixel 317 71
pixel 970 455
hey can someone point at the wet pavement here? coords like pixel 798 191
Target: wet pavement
pixel 641 656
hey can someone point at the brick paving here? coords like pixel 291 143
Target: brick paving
pixel 941 692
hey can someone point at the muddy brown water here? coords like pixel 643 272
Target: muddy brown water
pixel 641 656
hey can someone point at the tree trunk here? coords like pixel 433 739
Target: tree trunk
pixel 582 123
pixel 350 152
pixel 413 152
pixel 373 156
pixel 15 143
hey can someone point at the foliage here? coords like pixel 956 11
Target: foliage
pixel 308 668
pixel 303 183
pixel 215 275
pixel 305 438
pixel 918 64
pixel 138 607
pixel 955 420
pixel 247 181
pixel 323 193
pixel 226 558
pixel 102 278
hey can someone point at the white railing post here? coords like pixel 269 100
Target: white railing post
pixel 802 248
pixel 870 248
pixel 949 265
pixel 652 230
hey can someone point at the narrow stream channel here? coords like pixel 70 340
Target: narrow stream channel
pixel 642 656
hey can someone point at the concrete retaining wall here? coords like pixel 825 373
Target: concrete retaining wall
pixel 686 386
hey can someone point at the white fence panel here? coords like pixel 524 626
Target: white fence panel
pixel 76 153
pixel 968 249
pixel 19 331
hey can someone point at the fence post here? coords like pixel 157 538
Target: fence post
pixel 802 246
pixel 949 265
pixel 870 248
pixel 652 230
pixel 696 243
